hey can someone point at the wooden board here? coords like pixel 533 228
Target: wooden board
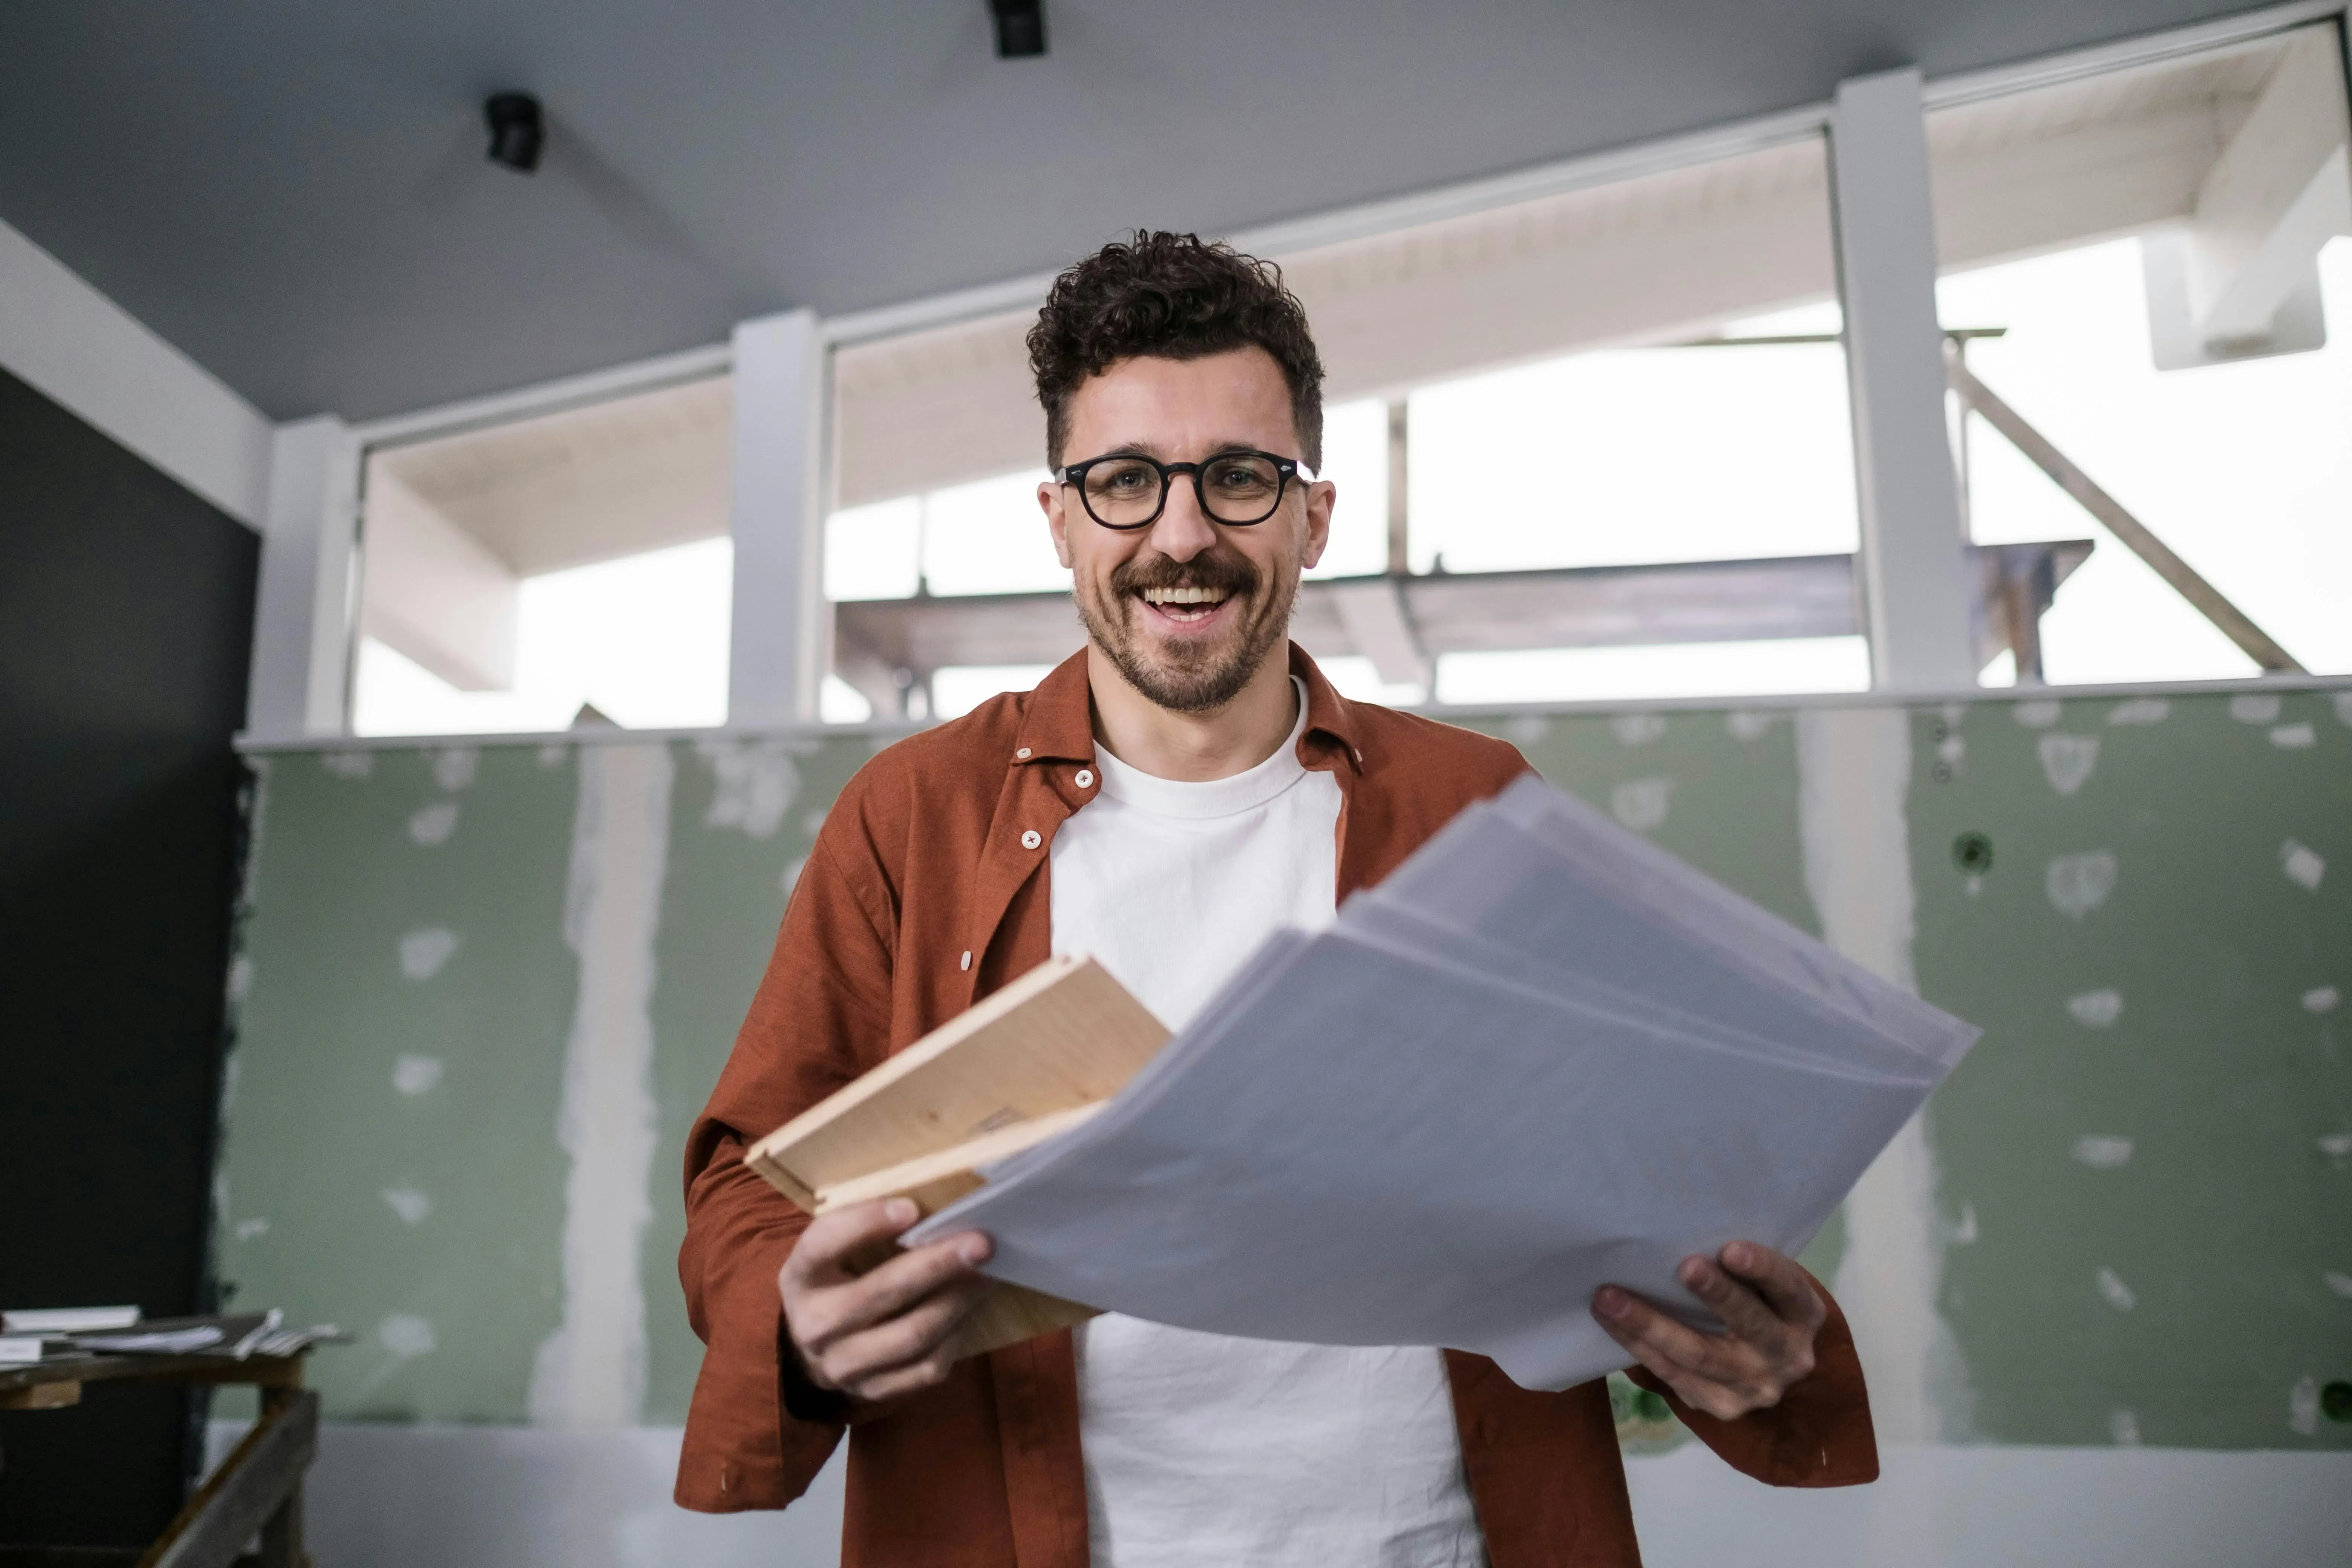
pixel 1037 1058
pixel 1065 1035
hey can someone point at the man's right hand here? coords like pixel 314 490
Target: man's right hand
pixel 885 1333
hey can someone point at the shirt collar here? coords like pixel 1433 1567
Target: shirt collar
pixel 1057 725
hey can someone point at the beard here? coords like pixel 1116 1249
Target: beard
pixel 1189 677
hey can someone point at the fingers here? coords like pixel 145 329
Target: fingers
pixel 823 1253
pixel 1777 1277
pixel 1671 1350
pixel 1743 1312
pixel 905 1353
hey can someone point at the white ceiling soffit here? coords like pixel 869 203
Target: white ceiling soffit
pixel 2117 153
pixel 1640 260
pixel 587 484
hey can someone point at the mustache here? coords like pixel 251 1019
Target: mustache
pixel 1212 569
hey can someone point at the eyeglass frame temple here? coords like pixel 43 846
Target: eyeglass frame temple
pixel 1286 469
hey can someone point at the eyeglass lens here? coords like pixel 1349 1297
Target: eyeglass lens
pixel 1238 489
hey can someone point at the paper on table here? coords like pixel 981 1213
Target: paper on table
pixel 1381 1150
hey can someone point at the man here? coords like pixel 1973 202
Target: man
pixel 1161 801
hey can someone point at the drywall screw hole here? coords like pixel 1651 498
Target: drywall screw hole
pixel 1942 773
pixel 1972 853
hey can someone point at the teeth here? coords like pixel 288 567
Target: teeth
pixel 1184 595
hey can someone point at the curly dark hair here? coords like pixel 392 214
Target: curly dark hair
pixel 1170 296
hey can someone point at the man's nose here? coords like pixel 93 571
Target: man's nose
pixel 1182 532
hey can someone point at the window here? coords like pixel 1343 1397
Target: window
pixel 569 568
pixel 1607 407
pixel 2154 258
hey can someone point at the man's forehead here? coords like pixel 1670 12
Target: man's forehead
pixel 1148 403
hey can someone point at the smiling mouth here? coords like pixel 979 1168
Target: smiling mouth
pixel 1185 605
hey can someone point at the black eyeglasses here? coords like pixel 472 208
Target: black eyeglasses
pixel 1128 490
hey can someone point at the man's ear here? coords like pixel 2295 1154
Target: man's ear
pixel 1049 501
pixel 1321 496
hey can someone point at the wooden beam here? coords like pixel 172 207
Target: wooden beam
pixel 2235 624
pixel 258 1481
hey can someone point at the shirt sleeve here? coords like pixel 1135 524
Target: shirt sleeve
pixel 820 1017
pixel 1820 1435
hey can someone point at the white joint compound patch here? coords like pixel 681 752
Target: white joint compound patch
pixel 2102 1152
pixel 347 764
pixel 1526 729
pixel 590 1374
pixel 2097 1009
pixel 2067 760
pixel 2123 1427
pixel 412 1206
pixel 1965 1232
pixel 2294 737
pixel 1638 729
pixel 407 1336
pixel 2114 1292
pixel 2255 707
pixel 756 783
pixel 2077 884
pixel 454 766
pixel 1950 749
pixel 1748 723
pixel 2303 1408
pixel 2039 714
pixel 2339 1283
pixel 247 1229
pixel 1641 804
pixel 1853 773
pixel 2321 999
pixel 2335 1145
pixel 2140 711
pixel 554 755
pixel 423 952
pixel 433 824
pixel 2303 866
pixel 792 876
pixel 414 1075
pixel 240 978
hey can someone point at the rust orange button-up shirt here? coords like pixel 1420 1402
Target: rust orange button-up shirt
pixel 927 889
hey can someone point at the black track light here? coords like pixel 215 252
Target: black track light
pixel 1020 28
pixel 518 130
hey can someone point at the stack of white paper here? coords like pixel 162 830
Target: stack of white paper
pixel 1542 1057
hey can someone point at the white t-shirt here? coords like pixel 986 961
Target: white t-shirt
pixel 1200 1449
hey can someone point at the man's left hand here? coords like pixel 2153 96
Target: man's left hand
pixel 1771 1313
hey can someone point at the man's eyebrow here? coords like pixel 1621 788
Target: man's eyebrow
pixel 1152 449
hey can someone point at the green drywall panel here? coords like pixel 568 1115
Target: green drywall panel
pixel 403 990
pixel 743 814
pixel 2229 1224
pixel 2143 1213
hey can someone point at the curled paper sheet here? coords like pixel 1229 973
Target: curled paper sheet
pixel 1540 1057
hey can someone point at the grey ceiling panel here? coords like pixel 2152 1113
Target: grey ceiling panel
pixel 295 193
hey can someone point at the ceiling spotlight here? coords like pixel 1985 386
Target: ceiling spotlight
pixel 1020 28
pixel 518 130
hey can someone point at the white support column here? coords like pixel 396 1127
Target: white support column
pixel 302 620
pixel 1917 593
pixel 778 654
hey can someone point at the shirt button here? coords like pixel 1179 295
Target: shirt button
pixel 1086 778
pixel 1022 755
pixel 1031 839
pixel 967 960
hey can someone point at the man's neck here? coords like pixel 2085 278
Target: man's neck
pixel 1193 748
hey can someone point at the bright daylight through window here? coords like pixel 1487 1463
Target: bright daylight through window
pixel 2155 258
pixel 568 569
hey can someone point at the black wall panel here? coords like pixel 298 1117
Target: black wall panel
pixel 126 620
